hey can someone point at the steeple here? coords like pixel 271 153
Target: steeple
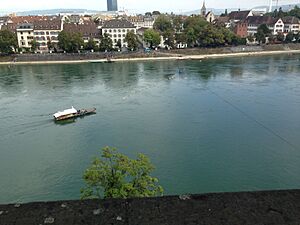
pixel 203 9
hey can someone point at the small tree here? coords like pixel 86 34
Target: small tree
pixel 50 45
pixel 260 37
pixel 119 44
pixel 106 43
pixel 152 37
pixel 34 45
pixel 280 37
pixel 91 45
pixel 289 37
pixel 131 40
pixel 117 176
pixel 8 41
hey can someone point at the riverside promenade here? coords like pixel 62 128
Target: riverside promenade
pixel 180 54
pixel 245 208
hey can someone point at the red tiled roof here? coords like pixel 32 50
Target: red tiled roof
pixel 87 29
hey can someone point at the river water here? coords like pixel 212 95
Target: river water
pixel 208 126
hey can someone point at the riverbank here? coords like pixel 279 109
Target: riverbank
pixel 247 208
pixel 181 54
pixel 157 58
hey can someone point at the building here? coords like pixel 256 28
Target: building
pixel 223 21
pixel 203 9
pixel 88 29
pixel 141 21
pixel 3 21
pixel 25 35
pixel 275 25
pixel 210 17
pixel 117 30
pixel 236 16
pixel 241 29
pixel 42 31
pixel 112 5
pixel 291 24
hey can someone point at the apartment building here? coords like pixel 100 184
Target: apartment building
pixel 117 30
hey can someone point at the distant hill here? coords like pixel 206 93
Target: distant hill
pixel 56 11
pixel 220 11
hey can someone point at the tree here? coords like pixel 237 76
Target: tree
pixel 50 45
pixel 177 23
pixel 156 13
pixel 8 42
pixel 193 25
pixel 169 37
pixel 70 42
pixel 131 40
pixel 119 44
pixel 280 37
pixel 281 14
pixel 114 175
pixel 211 37
pixel 34 45
pixel 289 37
pixel 264 29
pixel 250 38
pixel 91 45
pixel 295 12
pixel 77 42
pixel 260 37
pixel 162 23
pixel 106 43
pixel 152 37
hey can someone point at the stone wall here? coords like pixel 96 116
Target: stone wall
pixel 257 208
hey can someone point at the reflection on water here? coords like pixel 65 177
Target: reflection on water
pixel 214 125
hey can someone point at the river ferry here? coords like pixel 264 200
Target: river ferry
pixel 72 113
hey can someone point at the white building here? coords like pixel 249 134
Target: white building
pixel 25 35
pixel 142 21
pixel 275 25
pixel 43 31
pixel 291 24
pixel 117 30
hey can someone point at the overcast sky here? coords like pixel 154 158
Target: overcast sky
pixel 132 5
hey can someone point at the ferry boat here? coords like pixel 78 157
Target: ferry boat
pixel 72 113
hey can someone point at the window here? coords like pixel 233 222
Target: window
pixel 47 33
pixel 115 30
pixel 21 33
pixel 22 38
pixel 29 32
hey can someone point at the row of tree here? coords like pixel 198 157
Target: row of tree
pixel 195 31
pixel 279 13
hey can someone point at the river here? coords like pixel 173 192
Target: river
pixel 208 126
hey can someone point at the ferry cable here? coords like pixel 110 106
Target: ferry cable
pixel 254 120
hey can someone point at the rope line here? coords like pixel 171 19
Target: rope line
pixel 254 120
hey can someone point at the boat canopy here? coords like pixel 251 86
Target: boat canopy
pixel 65 112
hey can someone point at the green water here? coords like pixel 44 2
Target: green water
pixel 210 126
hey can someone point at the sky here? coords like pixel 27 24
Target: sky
pixel 133 5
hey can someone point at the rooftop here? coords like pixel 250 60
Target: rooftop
pixel 115 23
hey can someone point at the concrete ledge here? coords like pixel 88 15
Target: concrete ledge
pixel 259 208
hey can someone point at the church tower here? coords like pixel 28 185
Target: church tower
pixel 203 9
